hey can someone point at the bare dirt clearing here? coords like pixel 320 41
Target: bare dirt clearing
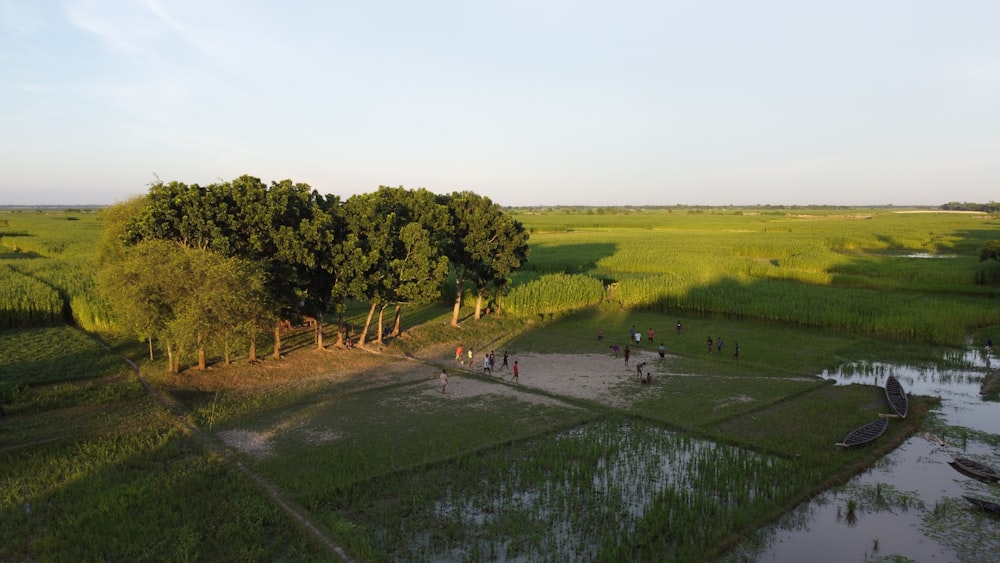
pixel 593 377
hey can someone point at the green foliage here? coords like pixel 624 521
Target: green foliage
pixel 112 497
pixel 553 294
pixel 614 489
pixel 47 270
pixel 486 247
pixel 51 355
pixel 26 301
pixel 910 276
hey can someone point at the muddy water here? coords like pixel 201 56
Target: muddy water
pixel 908 505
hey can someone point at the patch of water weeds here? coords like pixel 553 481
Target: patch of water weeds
pixel 610 489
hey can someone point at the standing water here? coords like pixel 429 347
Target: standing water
pixel 909 506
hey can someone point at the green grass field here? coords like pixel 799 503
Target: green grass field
pixel 355 449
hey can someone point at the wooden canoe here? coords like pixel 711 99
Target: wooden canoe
pixel 975 469
pixel 896 396
pixel 866 434
pixel 986 505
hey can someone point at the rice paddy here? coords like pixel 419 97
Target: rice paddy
pixel 611 489
pixel 388 467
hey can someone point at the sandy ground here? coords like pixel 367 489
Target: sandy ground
pixel 592 377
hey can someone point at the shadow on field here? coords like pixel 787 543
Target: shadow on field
pixel 567 258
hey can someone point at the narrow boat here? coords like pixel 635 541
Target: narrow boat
pixel 975 469
pixel 865 434
pixel 896 396
pixel 987 505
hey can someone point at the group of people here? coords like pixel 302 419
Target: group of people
pixel 718 346
pixel 489 363
pixel 635 335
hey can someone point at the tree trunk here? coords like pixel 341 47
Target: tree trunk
pixel 395 325
pixel 253 349
pixel 381 310
pixel 225 358
pixel 173 363
pixel 277 341
pixel 479 302
pixel 319 331
pixel 458 301
pixel 202 357
pixel 340 330
pixel 368 322
pixel 150 340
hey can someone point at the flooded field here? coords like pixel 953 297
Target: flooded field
pixel 615 489
pixel 910 504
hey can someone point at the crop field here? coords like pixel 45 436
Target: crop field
pixel 358 454
pixel 903 276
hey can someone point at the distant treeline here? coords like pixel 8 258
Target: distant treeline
pixel 991 207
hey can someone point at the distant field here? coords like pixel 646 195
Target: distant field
pixel 362 445
pixel 907 276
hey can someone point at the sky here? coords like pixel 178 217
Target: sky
pixel 707 102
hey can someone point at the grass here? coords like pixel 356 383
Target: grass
pixel 359 441
pixel 50 355
pixel 349 427
pixel 94 468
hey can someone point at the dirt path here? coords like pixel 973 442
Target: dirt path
pixel 213 445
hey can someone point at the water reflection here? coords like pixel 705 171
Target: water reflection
pixel 908 504
pixel 959 389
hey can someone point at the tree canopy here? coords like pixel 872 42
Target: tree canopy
pixel 188 265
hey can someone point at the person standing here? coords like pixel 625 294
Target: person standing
pixel 470 358
pixel 443 378
pixel 663 351
pixel 505 366
pixel 709 344
pixel 514 377
pixel 649 335
pixel 638 338
pixel 720 344
pixel 736 352
pixel 627 354
pixel 678 327
pixel 458 354
pixel 486 365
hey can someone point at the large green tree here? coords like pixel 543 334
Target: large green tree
pixel 186 298
pixel 244 219
pixel 334 265
pixel 485 248
pixel 134 280
pixel 399 266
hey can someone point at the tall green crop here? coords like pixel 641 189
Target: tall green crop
pixel 552 294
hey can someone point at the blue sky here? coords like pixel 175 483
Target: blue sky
pixel 527 102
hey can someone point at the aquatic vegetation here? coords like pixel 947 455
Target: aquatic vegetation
pixel 614 488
